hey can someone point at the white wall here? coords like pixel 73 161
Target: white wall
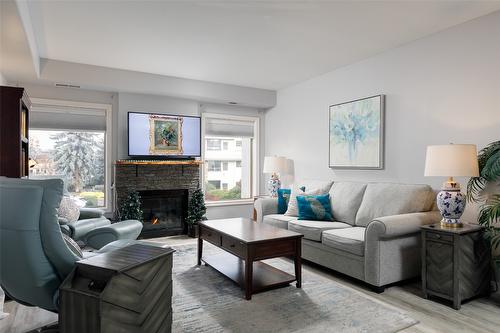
pixel 3 82
pixel 440 89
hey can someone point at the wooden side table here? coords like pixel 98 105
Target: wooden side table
pixel 126 290
pixel 456 263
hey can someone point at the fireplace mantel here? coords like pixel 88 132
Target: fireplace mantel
pixel 153 162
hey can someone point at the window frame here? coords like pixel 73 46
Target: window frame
pixel 255 160
pixel 108 136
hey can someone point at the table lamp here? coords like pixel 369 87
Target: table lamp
pixel 451 161
pixel 274 165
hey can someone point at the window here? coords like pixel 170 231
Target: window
pixel 213 184
pixel 213 144
pixel 237 158
pixel 75 156
pixel 214 166
pixel 70 140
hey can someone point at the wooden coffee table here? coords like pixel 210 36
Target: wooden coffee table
pixel 246 243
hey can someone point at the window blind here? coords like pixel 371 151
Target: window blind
pixel 229 127
pixel 68 118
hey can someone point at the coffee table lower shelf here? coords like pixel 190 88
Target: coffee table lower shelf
pixel 265 276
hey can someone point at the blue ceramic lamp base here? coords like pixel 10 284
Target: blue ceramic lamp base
pixel 273 185
pixel 451 204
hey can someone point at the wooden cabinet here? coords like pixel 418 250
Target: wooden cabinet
pixel 14 132
pixel 456 263
pixel 126 290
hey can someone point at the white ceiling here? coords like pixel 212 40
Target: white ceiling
pixel 260 44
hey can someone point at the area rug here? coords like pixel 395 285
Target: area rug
pixel 206 301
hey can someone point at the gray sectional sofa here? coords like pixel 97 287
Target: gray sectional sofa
pixel 376 233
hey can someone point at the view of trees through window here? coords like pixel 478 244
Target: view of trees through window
pixel 75 156
pixel 227 168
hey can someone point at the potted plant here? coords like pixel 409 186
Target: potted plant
pixel 131 207
pixel 196 212
pixel 485 190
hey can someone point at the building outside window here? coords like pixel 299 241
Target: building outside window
pixel 213 144
pixel 231 168
pixel 70 141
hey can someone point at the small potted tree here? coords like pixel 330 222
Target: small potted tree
pixel 131 207
pixel 485 190
pixel 196 212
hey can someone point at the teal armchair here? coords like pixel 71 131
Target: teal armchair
pixel 34 257
pixel 90 219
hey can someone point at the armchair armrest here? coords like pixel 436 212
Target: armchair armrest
pixel 265 206
pixel 400 225
pixel 90 213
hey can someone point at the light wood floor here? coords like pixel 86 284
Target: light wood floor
pixel 479 315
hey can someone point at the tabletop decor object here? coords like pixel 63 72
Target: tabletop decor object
pixel 357 134
pixel 451 161
pixel 275 165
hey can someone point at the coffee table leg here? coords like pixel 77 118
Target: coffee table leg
pixel 248 278
pixel 200 250
pixel 298 263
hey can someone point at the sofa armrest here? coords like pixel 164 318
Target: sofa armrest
pixel 90 213
pixel 400 225
pixel 265 206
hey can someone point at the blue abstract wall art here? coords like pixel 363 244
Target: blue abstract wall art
pixel 357 134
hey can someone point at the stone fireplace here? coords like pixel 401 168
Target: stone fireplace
pixel 165 188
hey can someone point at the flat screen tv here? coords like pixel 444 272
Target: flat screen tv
pixel 152 135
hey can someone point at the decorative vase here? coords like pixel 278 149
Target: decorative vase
pixel 451 204
pixel 273 185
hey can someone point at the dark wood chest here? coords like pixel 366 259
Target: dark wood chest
pixel 456 263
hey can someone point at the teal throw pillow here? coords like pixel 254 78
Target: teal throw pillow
pixel 283 199
pixel 315 207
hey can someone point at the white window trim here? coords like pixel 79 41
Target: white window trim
pixel 108 151
pixel 255 159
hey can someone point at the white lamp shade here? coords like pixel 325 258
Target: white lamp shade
pixel 452 161
pixel 274 164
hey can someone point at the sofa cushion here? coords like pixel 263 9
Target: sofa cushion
pixel 312 229
pixel 314 207
pixel 383 199
pixel 306 187
pixel 345 199
pixel 351 240
pixel 278 220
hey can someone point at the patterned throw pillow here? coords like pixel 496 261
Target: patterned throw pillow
pixel 283 199
pixel 68 209
pixel 311 189
pixel 315 207
pixel 73 246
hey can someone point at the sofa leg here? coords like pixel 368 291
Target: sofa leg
pixel 378 290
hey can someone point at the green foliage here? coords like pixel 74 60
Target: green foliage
pixel 196 208
pixel 131 207
pixel 214 194
pixel 479 190
pixel 74 156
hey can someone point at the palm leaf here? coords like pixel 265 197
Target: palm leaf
pixel 491 169
pixel 475 187
pixel 490 211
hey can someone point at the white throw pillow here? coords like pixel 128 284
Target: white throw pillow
pixel 305 188
pixel 68 209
